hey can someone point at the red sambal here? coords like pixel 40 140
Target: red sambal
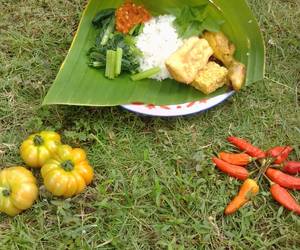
pixel 129 15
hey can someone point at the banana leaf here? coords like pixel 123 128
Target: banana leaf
pixel 78 84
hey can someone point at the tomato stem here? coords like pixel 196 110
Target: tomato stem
pixel 38 140
pixel 5 192
pixel 67 165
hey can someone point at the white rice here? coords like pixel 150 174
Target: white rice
pixel 157 42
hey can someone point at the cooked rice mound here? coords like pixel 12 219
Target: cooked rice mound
pixel 157 42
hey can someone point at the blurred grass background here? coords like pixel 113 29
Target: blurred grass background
pixel 155 187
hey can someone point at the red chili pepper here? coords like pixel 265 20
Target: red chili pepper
pixel 247 147
pixel 232 170
pixel 236 159
pixel 291 167
pixel 280 154
pixel 283 179
pixel 282 196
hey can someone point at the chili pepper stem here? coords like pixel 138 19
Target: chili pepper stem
pixel 269 180
pixel 266 164
pixel 276 166
pixel 254 171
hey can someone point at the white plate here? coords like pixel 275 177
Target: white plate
pixel 177 110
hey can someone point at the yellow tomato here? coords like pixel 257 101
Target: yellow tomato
pixel 38 148
pixel 68 173
pixel 18 190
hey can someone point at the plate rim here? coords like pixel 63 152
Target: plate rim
pixel 223 98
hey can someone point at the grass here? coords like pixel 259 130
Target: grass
pixel 155 187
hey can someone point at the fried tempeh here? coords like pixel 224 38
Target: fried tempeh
pixel 210 78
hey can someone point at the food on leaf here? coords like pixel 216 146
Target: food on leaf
pixel 39 147
pixel 186 62
pixel 18 190
pixel 68 173
pixel 210 78
pixel 131 40
pixel 248 190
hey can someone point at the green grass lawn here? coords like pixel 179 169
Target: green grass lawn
pixel 155 186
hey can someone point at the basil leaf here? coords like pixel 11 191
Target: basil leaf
pixel 211 24
pixel 193 20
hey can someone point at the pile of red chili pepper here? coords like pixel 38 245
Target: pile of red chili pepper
pixel 272 164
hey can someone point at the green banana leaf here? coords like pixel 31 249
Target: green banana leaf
pixel 78 84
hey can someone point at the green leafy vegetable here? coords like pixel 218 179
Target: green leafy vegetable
pixel 108 31
pixel 193 20
pixel 102 17
pixel 130 54
pixel 137 29
pixel 105 22
pixel 211 24
pixel 109 42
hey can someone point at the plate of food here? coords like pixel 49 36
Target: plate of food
pixel 160 58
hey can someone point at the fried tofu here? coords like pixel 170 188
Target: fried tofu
pixel 210 78
pixel 186 62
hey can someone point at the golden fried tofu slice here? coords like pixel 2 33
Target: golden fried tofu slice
pixel 222 47
pixel 210 78
pixel 185 63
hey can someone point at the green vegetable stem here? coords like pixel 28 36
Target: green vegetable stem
pixel 146 74
pixel 119 56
